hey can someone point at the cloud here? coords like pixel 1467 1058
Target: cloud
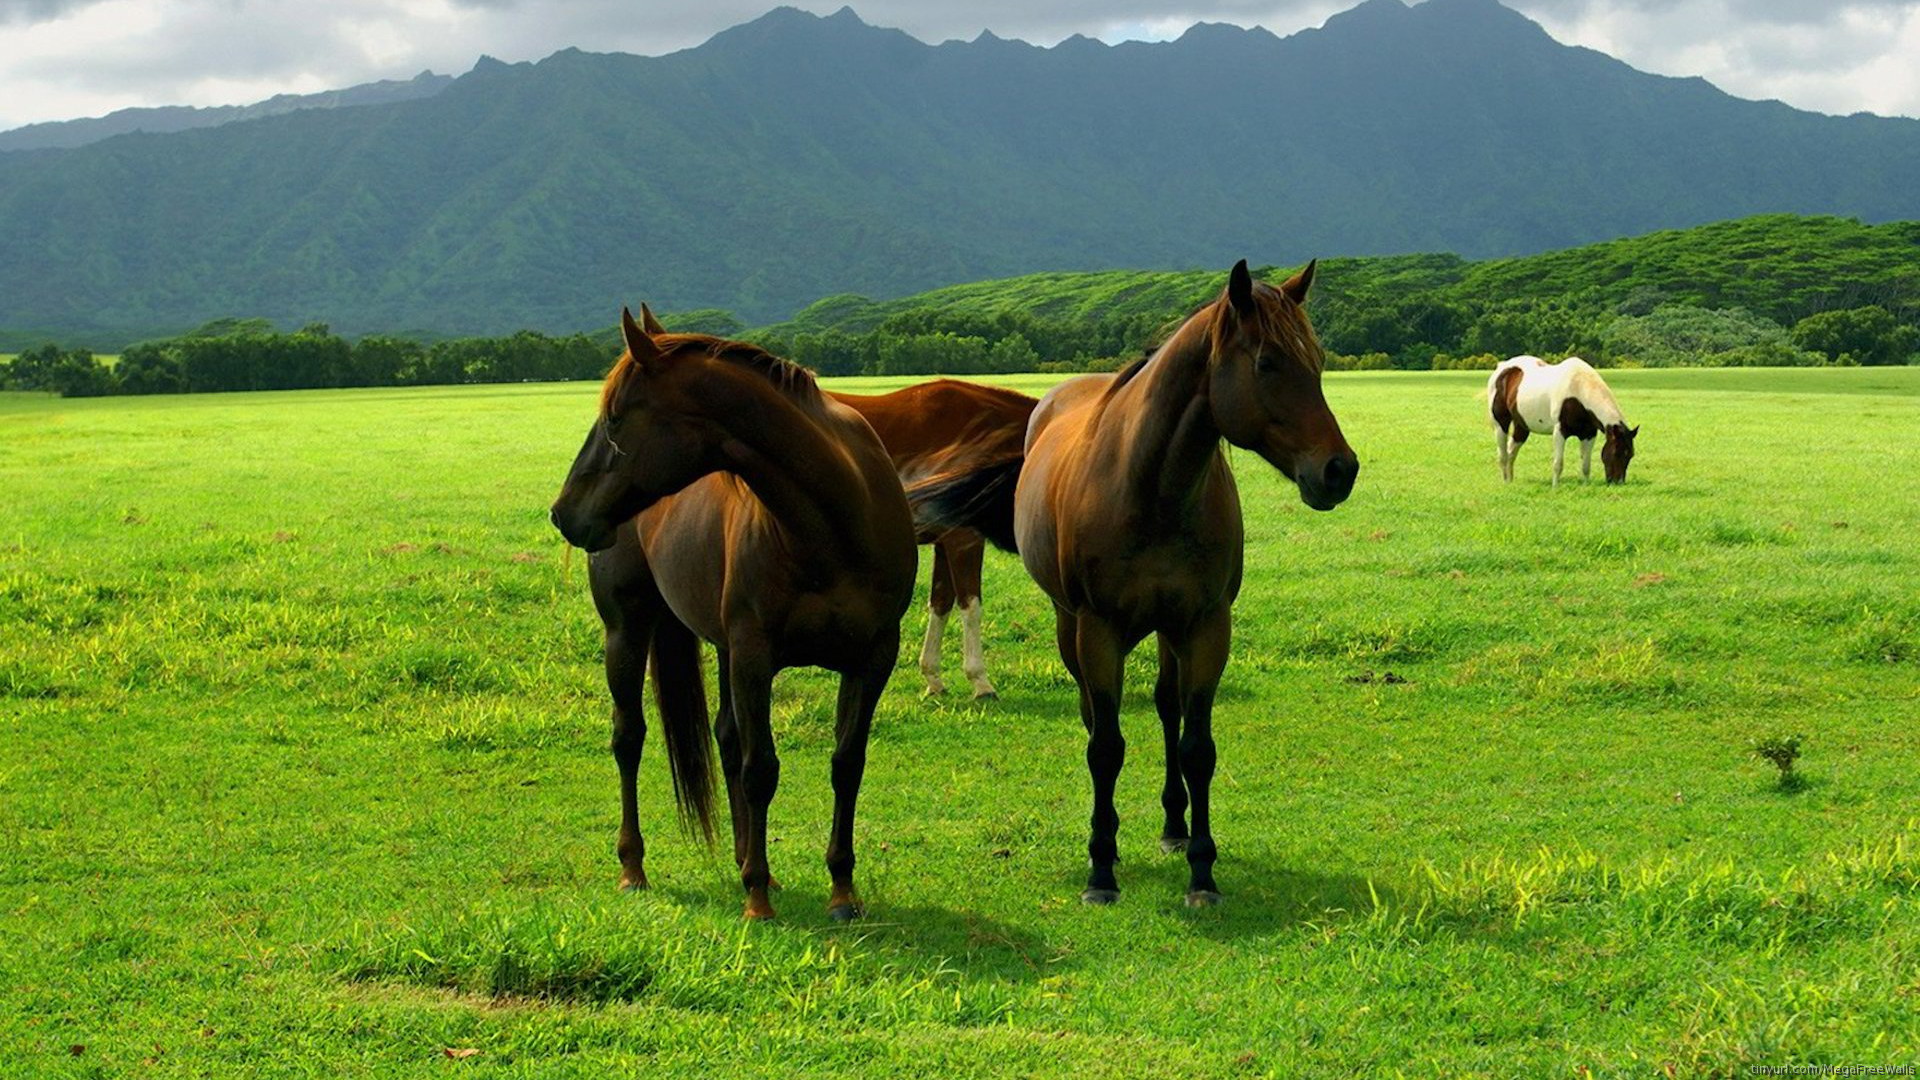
pixel 65 58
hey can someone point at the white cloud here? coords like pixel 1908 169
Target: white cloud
pixel 66 58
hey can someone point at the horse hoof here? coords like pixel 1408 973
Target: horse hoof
pixel 1171 844
pixel 1100 897
pixel 846 912
pixel 987 695
pixel 936 690
pixel 633 884
pixel 1202 898
pixel 757 912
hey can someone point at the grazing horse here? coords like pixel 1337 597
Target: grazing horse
pixel 1127 516
pixel 1526 395
pixel 724 498
pixel 934 429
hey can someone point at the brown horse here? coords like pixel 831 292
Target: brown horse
pixel 934 429
pixel 725 498
pixel 1127 516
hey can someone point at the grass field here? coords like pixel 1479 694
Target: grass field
pixel 304 769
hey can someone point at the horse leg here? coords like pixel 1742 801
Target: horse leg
pixel 727 733
pixel 939 603
pixel 1520 433
pixel 1203 658
pixel 750 674
pixel 629 605
pixel 859 695
pixel 1559 453
pixel 1101 659
pixel 965 560
pixel 1173 793
pixel 1586 459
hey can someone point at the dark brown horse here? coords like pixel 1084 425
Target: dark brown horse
pixel 1127 516
pixel 725 498
pixel 934 429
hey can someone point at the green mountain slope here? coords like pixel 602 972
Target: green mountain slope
pixel 797 157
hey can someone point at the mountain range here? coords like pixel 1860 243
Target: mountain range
pixel 798 156
pixel 66 134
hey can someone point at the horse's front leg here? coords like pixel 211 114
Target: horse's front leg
pixel 1098 650
pixel 1559 453
pixel 1586 459
pixel 859 696
pixel 750 677
pixel 1203 659
pixel 1173 792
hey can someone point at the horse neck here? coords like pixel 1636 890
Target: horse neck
pixel 1161 422
pixel 1587 388
pixel 784 453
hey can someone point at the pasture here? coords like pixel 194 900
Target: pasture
pixel 305 768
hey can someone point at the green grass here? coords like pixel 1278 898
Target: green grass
pixel 305 768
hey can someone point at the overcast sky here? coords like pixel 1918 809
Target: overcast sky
pixel 61 59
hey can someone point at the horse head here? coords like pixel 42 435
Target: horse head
pixel 649 441
pixel 1617 452
pixel 1265 385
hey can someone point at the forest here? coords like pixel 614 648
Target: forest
pixel 1770 291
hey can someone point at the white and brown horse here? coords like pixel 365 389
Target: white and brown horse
pixel 1527 395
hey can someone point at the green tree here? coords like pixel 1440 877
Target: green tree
pixel 1867 335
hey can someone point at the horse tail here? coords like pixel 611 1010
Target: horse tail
pixel 680 695
pixel 978 497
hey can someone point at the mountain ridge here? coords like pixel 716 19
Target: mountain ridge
pixel 798 156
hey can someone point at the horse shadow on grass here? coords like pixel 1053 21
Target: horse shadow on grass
pixel 1262 894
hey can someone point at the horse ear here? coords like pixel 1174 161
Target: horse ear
pixel 1296 286
pixel 645 352
pixel 1240 288
pixel 648 323
pixel 1635 433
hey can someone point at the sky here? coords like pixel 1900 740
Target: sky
pixel 61 59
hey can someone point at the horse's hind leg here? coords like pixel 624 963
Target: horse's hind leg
pixel 859 695
pixel 1519 439
pixel 629 606
pixel 1101 657
pixel 940 591
pixel 965 556
pixel 1173 793
pixel 750 676
pixel 1203 658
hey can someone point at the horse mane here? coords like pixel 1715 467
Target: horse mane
pixel 1277 318
pixel 789 378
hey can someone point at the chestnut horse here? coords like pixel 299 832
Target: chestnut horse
pixel 1127 516
pixel 724 498
pixel 1528 395
pixel 934 429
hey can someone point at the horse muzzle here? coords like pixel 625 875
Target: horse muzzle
pixel 589 536
pixel 1328 486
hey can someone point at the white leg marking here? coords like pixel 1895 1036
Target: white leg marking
pixel 930 651
pixel 976 657
pixel 1586 459
pixel 1559 455
pixel 1500 453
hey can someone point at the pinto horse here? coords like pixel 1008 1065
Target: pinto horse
pixel 938 428
pixel 1528 395
pixel 724 498
pixel 1128 518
